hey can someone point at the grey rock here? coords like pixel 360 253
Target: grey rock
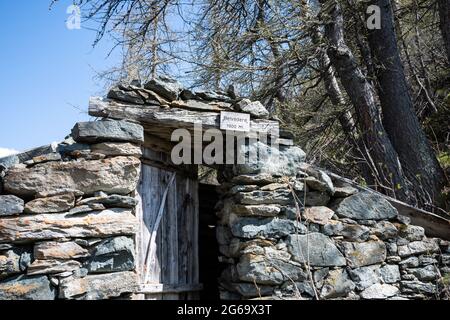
pixel 385 230
pixel 114 149
pixel 98 287
pixel 111 201
pixel 53 204
pixel 59 250
pixel 345 191
pixel 412 233
pixel 354 232
pixel 10 205
pixel 281 197
pixel 52 266
pixel 445 259
pixel 8 162
pixel 118 175
pixel 365 277
pixel 320 215
pixel 411 262
pixel 417 287
pixel 242 188
pixel 125 96
pixel 392 248
pixel 46 158
pixel 363 254
pixel 322 251
pixel 315 198
pixel 164 86
pixel 428 273
pixel 418 247
pixel 427 260
pixel 250 290
pixel 390 273
pixel 393 259
pixel 27 288
pixel 272 268
pixel 108 131
pixel 268 228
pixel 262 158
pixel 404 220
pixel 366 206
pixel 337 284
pixel 112 255
pixel 254 179
pixel 379 291
pixel 57 226
pixel 257 210
pixel 254 108
pixel 9 263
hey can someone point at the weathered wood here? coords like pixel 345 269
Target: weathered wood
pixel 175 248
pixel 152 117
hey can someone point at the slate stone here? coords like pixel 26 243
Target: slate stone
pixel 10 205
pixel 379 291
pixel 57 226
pixel 412 233
pixel 418 247
pixel 345 191
pixel 268 269
pixel 365 277
pixel 337 284
pixel 112 201
pixel 365 253
pixel 417 287
pixel 249 290
pixel 53 204
pixel 98 287
pixel 281 197
pixel 59 250
pixel 52 266
pixel 8 162
pixel 125 96
pixel 263 158
pixel 428 273
pixel 385 230
pixel 112 255
pixel 366 206
pixel 390 273
pixel 249 228
pixel 118 175
pixel 320 215
pixel 322 251
pixel 257 210
pixel 254 108
pixel 9 263
pixel 108 131
pixel 114 149
pixel 27 288
pixel 166 87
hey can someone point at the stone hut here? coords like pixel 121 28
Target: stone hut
pixel 107 214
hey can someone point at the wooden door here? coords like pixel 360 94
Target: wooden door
pixel 172 256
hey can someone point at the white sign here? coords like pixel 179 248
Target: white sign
pixel 235 121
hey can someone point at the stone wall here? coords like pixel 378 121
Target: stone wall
pixel 67 219
pixel 344 243
pixel 286 230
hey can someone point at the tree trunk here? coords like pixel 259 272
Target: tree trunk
pixel 361 93
pixel 399 119
pixel 444 19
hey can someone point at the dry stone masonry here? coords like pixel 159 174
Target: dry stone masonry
pixel 286 229
pixel 305 236
pixel 67 219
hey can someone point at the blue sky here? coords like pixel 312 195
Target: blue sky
pixel 45 68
